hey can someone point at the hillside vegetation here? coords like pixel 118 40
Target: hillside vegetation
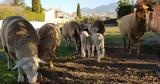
pixel 7 10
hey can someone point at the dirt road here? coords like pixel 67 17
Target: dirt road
pixel 116 67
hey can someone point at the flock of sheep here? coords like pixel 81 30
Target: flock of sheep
pixel 28 47
pixel 84 36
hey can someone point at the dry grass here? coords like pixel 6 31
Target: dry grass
pixel 7 10
pixel 111 30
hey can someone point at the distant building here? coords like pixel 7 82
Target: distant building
pixel 57 16
pixel 50 16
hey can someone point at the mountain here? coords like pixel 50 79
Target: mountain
pixel 86 10
pixel 106 8
pixel 103 9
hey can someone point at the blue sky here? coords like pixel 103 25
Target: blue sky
pixel 70 5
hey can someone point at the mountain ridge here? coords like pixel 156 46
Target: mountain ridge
pixel 103 9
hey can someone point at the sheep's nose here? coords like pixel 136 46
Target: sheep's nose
pixel 39 75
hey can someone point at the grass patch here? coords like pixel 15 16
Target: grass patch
pixel 112 36
pixel 113 39
pixel 64 51
pixel 7 10
pixel 6 77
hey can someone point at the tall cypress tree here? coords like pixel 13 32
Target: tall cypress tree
pixel 36 6
pixel 78 11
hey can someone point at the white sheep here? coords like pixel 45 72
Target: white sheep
pixel 85 44
pixel 94 40
pixel 98 42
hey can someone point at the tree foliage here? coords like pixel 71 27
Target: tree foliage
pixel 36 6
pixel 78 11
pixel 15 2
pixel 124 7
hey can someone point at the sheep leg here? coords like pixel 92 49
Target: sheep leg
pixel 74 42
pixel 66 39
pixel 138 47
pixel 51 57
pixel 124 44
pixel 83 50
pixel 129 47
pixel 93 47
pixel 51 63
pixel 98 53
pixel 20 76
pixel 8 58
pixel 8 63
pixel 68 42
pixel 88 50
pixel 102 51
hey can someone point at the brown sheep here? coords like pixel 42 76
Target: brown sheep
pixel 100 25
pixel 49 36
pixel 133 26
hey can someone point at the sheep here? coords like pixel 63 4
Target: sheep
pixel 99 25
pixel 133 27
pixel 154 18
pixel 98 42
pixel 70 32
pixel 19 39
pixel 93 40
pixel 49 37
pixel 85 43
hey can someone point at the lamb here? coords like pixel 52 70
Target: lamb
pixel 98 42
pixel 94 40
pixel 133 26
pixel 85 43
pixel 49 37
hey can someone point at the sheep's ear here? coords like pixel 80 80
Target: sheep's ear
pixel 39 60
pixel 145 7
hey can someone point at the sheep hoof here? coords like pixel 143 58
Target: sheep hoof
pixel 51 65
pixel 98 59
